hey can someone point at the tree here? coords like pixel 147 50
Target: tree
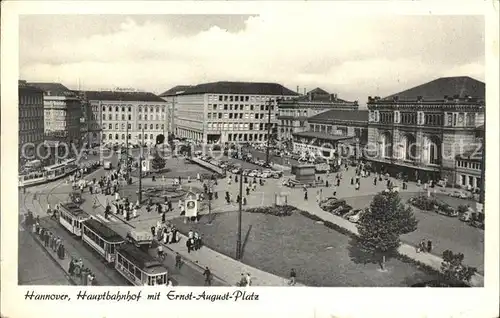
pixel 453 269
pixel 158 162
pixel 381 226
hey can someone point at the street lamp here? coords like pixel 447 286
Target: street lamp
pixel 238 239
pixel 140 167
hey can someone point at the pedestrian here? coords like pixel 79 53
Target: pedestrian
pixel 429 246
pixel 305 194
pixel 338 182
pixel 357 186
pixel 375 181
pixel 352 181
pixel 208 277
pixel 178 261
pixel 249 279
pixel 153 231
pixel 293 277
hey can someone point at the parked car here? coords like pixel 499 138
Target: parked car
pixel 276 174
pixel 343 209
pixel 477 223
pixel 446 209
pixel 266 174
pixel 253 173
pixel 350 213
pixel 331 205
pixel 355 218
pixel 246 172
pixel 466 216
pixel 458 194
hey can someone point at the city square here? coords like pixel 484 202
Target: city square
pixel 230 181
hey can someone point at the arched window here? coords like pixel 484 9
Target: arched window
pixel 410 148
pixel 116 136
pixel 110 137
pixel 123 109
pixel 157 109
pixel 116 108
pixel 123 136
pixel 385 145
pixel 109 108
pixel 103 108
pixel 140 109
pixel 434 148
pixel 151 126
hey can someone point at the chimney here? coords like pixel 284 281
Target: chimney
pixel 310 96
pixel 331 97
pixel 298 91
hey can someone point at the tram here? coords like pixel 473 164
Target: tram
pixel 71 217
pixel 139 268
pixel 32 178
pixel 61 169
pixel 101 238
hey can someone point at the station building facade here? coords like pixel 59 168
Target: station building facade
pixel 293 113
pixel 421 131
pixel 329 130
pixel 227 111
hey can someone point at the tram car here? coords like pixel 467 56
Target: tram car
pixel 138 267
pixel 61 169
pixel 71 217
pixel 101 238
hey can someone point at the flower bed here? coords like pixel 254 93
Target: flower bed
pixel 277 210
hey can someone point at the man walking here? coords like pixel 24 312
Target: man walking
pixel 208 277
pixel 178 261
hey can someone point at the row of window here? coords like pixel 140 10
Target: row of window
pixel 117 136
pixel 139 126
pixel 131 268
pixel 152 109
pixel 469 165
pixel 25 112
pixel 240 107
pixel 30 99
pixel 129 117
pixel 31 138
pixel 246 137
pixel 238 116
pixel 241 126
pixel 30 124
pixel 96 239
pixel 244 98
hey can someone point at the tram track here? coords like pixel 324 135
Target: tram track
pixel 105 274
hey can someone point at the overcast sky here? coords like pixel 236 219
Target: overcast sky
pixel 353 56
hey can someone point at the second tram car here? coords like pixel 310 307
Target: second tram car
pixel 71 217
pixel 139 268
pixel 101 238
pixel 60 170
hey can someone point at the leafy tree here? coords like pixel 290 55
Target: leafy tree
pixel 158 162
pixel 453 269
pixel 381 226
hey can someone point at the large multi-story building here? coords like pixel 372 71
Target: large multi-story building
pixel 293 113
pixel 420 131
pixel 120 111
pixel 170 97
pixel 31 120
pixel 228 111
pixel 90 122
pixel 327 130
pixel 62 113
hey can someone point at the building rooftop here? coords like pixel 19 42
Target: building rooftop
pixel 337 114
pixel 246 88
pixel 122 96
pixel 321 135
pixel 441 88
pixel 23 86
pixel 53 89
pixel 175 90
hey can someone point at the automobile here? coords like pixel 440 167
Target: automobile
pixel 253 173
pixel 236 170
pixel 355 218
pixel 260 162
pixel 276 174
pixel 214 162
pixel 477 223
pixel 223 165
pixel 466 216
pixel 331 205
pixel 343 209
pixel 458 194
pixel 107 165
pixel 446 209
pixel 246 172
pixel 266 174
pixel 350 213
pixel 198 153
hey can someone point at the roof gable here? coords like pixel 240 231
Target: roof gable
pixel 122 96
pixel 438 89
pixel 175 90
pixel 318 91
pixel 246 88
pixel 55 89
pixel 337 114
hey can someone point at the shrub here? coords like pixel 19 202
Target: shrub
pixel 278 210
pixel 462 208
pixel 424 203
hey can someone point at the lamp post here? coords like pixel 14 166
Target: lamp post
pixel 210 196
pixel 238 239
pixel 268 130
pixel 140 167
